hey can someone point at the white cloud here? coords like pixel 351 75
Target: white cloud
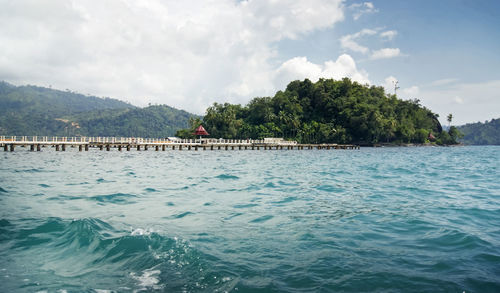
pixel 468 102
pixel 389 35
pixel 182 53
pixel 350 41
pixel 444 81
pixel 300 68
pixel 361 9
pixel 410 92
pixel 403 93
pixel 458 100
pixel 385 53
pixel 389 84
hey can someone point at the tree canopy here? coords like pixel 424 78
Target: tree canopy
pixel 338 111
pixel 487 133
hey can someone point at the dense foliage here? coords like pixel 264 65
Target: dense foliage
pixel 487 133
pixel 31 110
pixel 327 111
pixel 152 121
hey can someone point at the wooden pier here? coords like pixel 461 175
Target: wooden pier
pixel 36 143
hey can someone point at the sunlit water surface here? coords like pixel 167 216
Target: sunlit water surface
pixel 375 219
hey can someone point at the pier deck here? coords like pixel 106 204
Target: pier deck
pixel 36 143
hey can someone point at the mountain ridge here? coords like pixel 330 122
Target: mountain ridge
pixel 35 110
pixel 487 133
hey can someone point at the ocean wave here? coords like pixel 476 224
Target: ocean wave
pixel 227 177
pixel 116 198
pixel 91 252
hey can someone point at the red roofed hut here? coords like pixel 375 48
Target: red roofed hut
pixel 200 131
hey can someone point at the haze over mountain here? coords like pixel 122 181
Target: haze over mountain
pixel 487 133
pixel 33 110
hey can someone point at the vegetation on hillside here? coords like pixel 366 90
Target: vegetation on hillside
pixel 326 111
pixel 487 133
pixel 32 110
pixel 152 121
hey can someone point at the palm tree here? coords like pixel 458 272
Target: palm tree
pixel 449 118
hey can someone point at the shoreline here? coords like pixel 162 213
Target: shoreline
pixel 381 145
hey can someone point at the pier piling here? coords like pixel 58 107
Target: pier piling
pixel 60 144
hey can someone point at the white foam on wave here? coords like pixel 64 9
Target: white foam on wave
pixel 103 291
pixel 142 232
pixel 149 279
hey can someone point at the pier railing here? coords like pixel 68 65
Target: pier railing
pixel 84 143
pixel 132 140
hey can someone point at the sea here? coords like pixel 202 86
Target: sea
pixel 408 219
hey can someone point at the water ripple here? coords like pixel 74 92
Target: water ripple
pixel 370 220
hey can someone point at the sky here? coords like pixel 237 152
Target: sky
pixel 190 54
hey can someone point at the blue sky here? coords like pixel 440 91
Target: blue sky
pixel 445 46
pixel 443 39
pixel 189 54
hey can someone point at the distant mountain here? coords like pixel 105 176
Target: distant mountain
pixel 487 133
pixel 32 110
pixel 152 121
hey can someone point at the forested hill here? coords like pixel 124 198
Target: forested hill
pixel 328 111
pixel 32 110
pixel 487 133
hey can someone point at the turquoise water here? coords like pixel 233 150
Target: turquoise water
pixel 385 219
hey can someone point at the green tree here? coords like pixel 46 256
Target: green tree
pixel 339 111
pixel 487 133
pixel 449 118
